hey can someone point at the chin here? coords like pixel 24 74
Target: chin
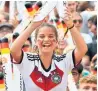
pixel 47 51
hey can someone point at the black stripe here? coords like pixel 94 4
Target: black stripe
pixel 21 57
pixel 73 56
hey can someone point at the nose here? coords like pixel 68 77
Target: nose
pixel 46 39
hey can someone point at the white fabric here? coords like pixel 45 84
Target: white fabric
pixel 60 64
pixel 87 38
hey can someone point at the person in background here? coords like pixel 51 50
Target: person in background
pixel 92 47
pixel 72 6
pixel 27 47
pixel 86 9
pixel 93 65
pixel 6 29
pixel 4 17
pixel 78 22
pixel 77 74
pixel 61 46
pixel 86 62
pixel 88 83
pixel 73 78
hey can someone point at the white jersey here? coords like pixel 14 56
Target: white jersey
pixel 37 78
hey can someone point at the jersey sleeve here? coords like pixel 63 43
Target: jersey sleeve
pixel 26 65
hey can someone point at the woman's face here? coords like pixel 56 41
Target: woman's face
pixel 46 40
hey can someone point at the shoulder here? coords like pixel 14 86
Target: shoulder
pixel 31 56
pixel 59 58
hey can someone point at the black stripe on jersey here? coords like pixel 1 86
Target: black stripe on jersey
pixel 31 57
pixel 59 58
pixel 21 57
pixel 73 56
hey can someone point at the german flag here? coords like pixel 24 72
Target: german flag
pixel 0 47
pixel 58 23
pixel 61 25
pixel 33 9
pixel 6 60
pixel 65 28
pixel 5 46
pixel 2 84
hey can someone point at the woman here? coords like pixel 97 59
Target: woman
pixel 46 71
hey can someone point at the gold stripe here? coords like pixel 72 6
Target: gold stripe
pixel 2 85
pixel 5 51
pixel 32 12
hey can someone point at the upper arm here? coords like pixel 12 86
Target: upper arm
pixel 78 56
pixel 17 56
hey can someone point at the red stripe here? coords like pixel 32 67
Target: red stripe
pixel 64 25
pixel 1 81
pixel 58 23
pixel 30 9
pixel 5 45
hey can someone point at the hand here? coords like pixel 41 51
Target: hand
pixel 68 19
pixel 36 23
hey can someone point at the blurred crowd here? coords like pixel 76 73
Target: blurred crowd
pixel 84 14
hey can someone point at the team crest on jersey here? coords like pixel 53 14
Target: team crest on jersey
pixel 56 78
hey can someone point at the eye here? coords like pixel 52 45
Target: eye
pixel 41 36
pixel 86 87
pixel 94 89
pixel 51 36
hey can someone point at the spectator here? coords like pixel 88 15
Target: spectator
pixel 4 17
pixel 5 29
pixel 88 83
pixel 77 73
pixel 87 8
pixel 86 62
pixel 27 47
pixel 72 6
pixel 78 22
pixel 93 65
pixel 86 5
pixel 92 47
pixel 93 24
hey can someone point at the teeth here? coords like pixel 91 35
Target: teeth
pixel 46 45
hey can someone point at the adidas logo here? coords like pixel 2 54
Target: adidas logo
pixel 40 80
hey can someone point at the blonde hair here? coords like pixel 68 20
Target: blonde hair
pixel 88 79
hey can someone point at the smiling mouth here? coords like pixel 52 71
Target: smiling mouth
pixel 46 45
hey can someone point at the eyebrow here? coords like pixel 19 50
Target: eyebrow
pixel 44 34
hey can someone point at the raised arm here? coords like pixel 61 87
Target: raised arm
pixel 81 47
pixel 16 48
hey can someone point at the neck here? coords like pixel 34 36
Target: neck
pixel 46 59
